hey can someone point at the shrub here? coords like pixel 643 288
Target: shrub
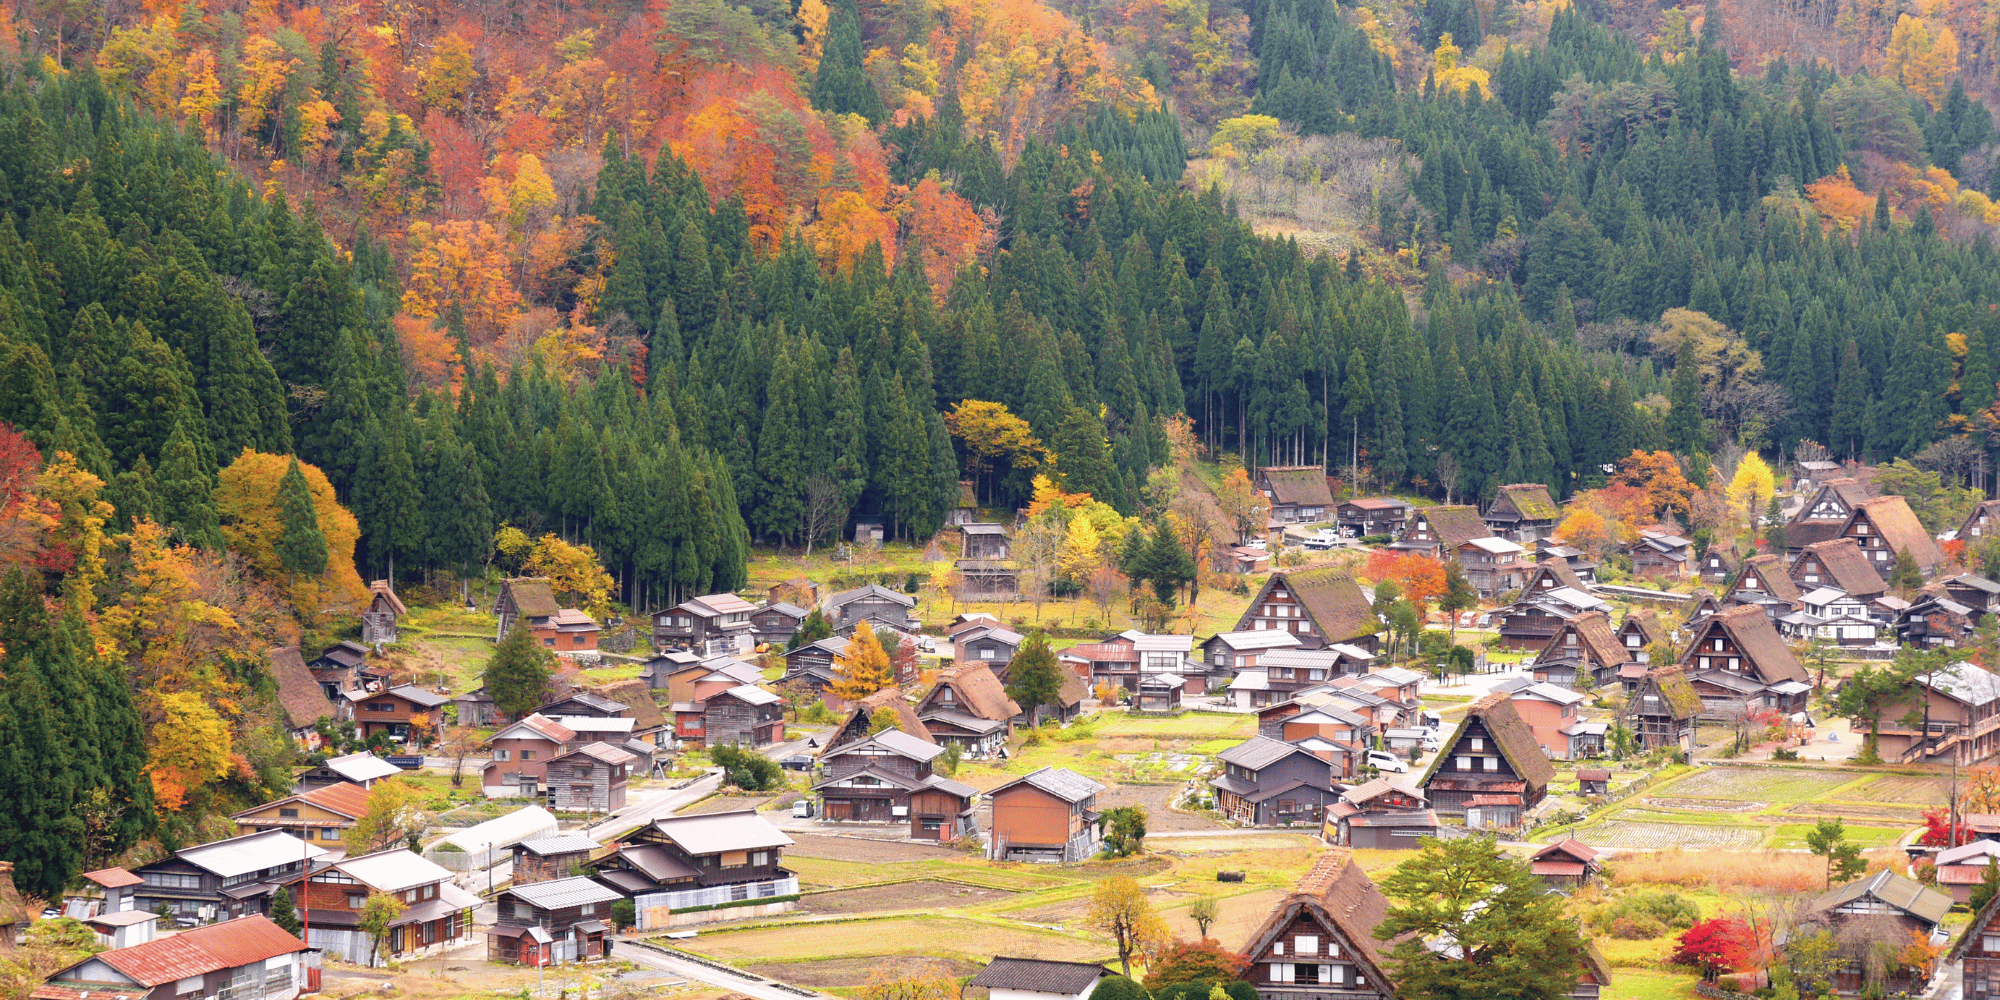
pixel 1119 988
pixel 1729 983
pixel 1636 927
pixel 747 769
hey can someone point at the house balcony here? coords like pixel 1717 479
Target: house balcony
pixel 717 895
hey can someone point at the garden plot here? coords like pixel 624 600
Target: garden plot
pixel 1704 805
pixel 1906 789
pixel 1844 810
pixel 1658 836
pixel 941 936
pixel 1156 800
pixel 901 896
pixel 1765 784
pixel 838 972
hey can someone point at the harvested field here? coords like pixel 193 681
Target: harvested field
pixel 870 851
pixel 1154 798
pixel 1910 789
pixel 1656 836
pixel 841 971
pixel 1223 841
pixel 1913 814
pixel 1704 805
pixel 1236 917
pixel 902 896
pixel 1766 784
pixel 952 937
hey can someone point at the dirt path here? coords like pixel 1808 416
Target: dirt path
pixel 1159 818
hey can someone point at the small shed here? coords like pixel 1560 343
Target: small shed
pixel 1567 864
pixel 124 928
pixel 1160 692
pixel 378 622
pixel 547 858
pixel 1593 781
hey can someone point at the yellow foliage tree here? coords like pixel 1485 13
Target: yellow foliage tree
pixel 443 82
pixel 204 91
pixel 1452 76
pixel 1923 60
pixel 991 433
pixel 78 525
pixel 192 746
pixel 172 638
pixel 1751 488
pixel 1080 552
pixel 247 500
pixel 574 573
pixel 1246 135
pixel 863 670
pixel 1589 530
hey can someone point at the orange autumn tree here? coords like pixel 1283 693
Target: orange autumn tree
pixel 247 498
pixel 1657 475
pixel 1420 576
pixel 948 232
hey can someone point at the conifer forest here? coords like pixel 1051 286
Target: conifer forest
pixel 301 294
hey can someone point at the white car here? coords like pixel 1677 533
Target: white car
pixel 1383 760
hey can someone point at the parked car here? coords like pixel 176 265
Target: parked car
pixel 1433 721
pixel 1383 760
pixel 799 762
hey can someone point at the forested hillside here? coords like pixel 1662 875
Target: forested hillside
pixel 294 297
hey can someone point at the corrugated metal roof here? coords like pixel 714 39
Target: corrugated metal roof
pixel 561 893
pixel 113 878
pixel 227 945
pixel 359 767
pixel 720 604
pixel 393 871
pixel 714 833
pixel 419 696
pixel 751 695
pixel 564 844
pixel 1257 639
pixel 1060 782
pixel 249 853
pixel 603 753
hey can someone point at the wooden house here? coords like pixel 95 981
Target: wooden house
pixel 1298 494
pixel 1663 711
pixel 743 715
pixel 1764 583
pixel 659 670
pixel 344 667
pixel 322 814
pixel 222 880
pixel 776 623
pixel 394 711
pixel 300 696
pixel 1660 554
pixel 378 619
pixel 1958 719
pixel 1975 592
pixel 528 601
pixel 1266 782
pixel 1038 979
pixel 1319 941
pixel 583 703
pixel 1639 630
pixel 1823 514
pixel 590 778
pixel 1439 531
pixel 1980 524
pixel 970 708
pixel 1049 814
pixel 966 510
pixel 1371 516
pixel 1282 673
pixel 1832 614
pixel 698 861
pixel 1385 813
pixel 988 644
pixel 1934 620
pixel 1977 953
pixel 1494 565
pixel 985 541
pixel 520 753
pixel 1837 563
pixel 1718 566
pixel 552 923
pixel 1961 868
pixel 476 709
pixel 888 778
pixel 1492 757
pixel 436 915
pixel 715 625
pixel 575 636
pixel 1228 653
pixel 544 859
pixel 1897 910
pixel 1522 512
pixel 1539 615
pixel 1160 693
pixel 1320 607
pixel 1239 559
pixel 1584 645
pixel 249 958
pixel 1567 864
pixel 1741 643
pixel 811 665
pixel 860 722
pixel 1593 781
pixel 850 606
pixel 1885 526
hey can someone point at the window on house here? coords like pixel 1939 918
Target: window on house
pixel 1464 763
pixel 549 642
pixel 503 755
pixel 527 755
pixel 1305 944
pixel 355 900
pixel 288 813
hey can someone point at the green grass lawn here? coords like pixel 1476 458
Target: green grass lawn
pixel 1793 835
pixel 1641 984
pixel 1192 726
pixel 1764 784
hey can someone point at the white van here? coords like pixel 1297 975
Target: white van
pixel 1383 760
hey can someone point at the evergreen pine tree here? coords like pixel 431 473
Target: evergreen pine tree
pixel 186 492
pixel 301 546
pixel 1849 425
pixel 283 913
pixel 842 86
pixel 1684 424
pixel 517 677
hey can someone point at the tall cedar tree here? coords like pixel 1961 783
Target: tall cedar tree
pixel 1034 678
pixel 517 677
pixel 1511 936
pixel 301 546
pixel 843 86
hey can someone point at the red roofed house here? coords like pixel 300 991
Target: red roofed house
pixel 521 753
pixel 1964 866
pixel 1568 864
pixel 323 813
pixel 249 957
pixel 106 890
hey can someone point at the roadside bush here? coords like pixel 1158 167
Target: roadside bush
pixel 747 769
pixel 1637 915
pixel 1635 928
pixel 1119 988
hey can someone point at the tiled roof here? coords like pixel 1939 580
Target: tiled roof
pixel 847 597
pixel 603 753
pixel 542 725
pixel 303 700
pixel 1060 782
pixel 1036 975
pixel 1257 753
pixel 113 878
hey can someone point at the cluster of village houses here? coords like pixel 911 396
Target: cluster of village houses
pixel 1302 659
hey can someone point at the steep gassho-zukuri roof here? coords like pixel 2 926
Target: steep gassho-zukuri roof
pixel 1511 736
